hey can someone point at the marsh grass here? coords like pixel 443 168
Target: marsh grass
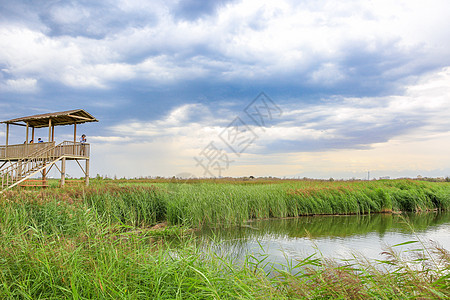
pixel 101 242
pixel 195 203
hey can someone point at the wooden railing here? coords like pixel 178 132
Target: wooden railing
pixel 25 150
pixel 14 173
pixel 72 149
pixel 18 171
pixel 22 150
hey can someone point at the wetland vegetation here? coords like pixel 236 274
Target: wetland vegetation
pixel 133 239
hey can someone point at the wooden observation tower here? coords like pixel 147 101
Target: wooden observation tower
pixel 21 162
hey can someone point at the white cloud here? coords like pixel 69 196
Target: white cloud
pixel 26 51
pixel 109 139
pixel 66 60
pixel 21 85
pixel 190 121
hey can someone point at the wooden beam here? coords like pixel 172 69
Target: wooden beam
pixel 81 118
pixel 18 124
pixel 53 165
pixel 32 134
pixel 80 166
pixel 61 123
pixel 53 133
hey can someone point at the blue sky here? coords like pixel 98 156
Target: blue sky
pixel 354 85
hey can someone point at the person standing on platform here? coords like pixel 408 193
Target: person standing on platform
pixel 83 141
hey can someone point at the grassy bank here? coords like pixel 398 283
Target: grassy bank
pixel 101 242
pixel 197 203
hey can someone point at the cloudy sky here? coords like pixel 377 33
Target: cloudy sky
pixel 237 88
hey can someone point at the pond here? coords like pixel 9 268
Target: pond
pixel 337 237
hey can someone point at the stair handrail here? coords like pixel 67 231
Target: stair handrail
pixel 32 154
pixel 36 154
pixel 43 166
pixel 40 154
pixel 31 164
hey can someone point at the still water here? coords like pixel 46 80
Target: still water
pixel 337 237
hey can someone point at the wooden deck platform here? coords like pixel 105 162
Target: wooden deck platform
pixel 71 150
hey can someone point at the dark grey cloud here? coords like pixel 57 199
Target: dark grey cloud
pixel 193 9
pixel 19 11
pixel 91 19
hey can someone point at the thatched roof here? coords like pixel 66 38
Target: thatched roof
pixel 70 117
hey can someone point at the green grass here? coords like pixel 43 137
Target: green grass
pixel 195 203
pixel 100 242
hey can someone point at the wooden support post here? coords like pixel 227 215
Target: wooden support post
pixel 49 130
pixel 53 133
pixel 44 176
pixel 86 177
pixel 74 133
pixel 74 137
pixel 26 139
pixel 7 138
pixel 32 133
pixel 63 171
pixel 19 169
pixel 7 134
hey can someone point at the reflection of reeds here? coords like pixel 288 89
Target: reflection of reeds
pixel 325 226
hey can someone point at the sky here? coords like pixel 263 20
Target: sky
pixel 284 88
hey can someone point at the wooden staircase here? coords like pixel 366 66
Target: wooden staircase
pixel 27 167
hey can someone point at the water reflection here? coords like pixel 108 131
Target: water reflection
pixel 332 236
